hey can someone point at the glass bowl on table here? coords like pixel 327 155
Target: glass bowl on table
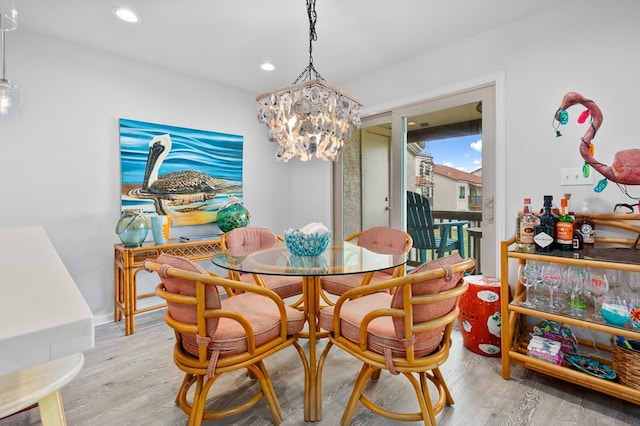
pixel 301 243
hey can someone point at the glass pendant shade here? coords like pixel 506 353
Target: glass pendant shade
pixel 8 15
pixel 9 98
pixel 309 118
pixel 9 92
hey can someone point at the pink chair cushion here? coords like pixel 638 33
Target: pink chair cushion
pixel 378 239
pixel 263 315
pixel 384 240
pixel 227 335
pixel 181 312
pixel 283 286
pixel 385 333
pixel 429 311
pixel 244 241
pixel 339 284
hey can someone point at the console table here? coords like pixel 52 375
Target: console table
pixel 128 261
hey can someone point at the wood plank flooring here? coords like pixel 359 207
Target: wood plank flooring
pixel 131 380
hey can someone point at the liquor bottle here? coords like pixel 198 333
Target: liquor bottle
pixel 577 236
pixel 587 227
pixel 545 230
pixel 578 241
pixel 528 222
pixel 564 228
pixel 570 210
pixel 518 217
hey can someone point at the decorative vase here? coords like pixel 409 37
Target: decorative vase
pixel 132 228
pixel 232 215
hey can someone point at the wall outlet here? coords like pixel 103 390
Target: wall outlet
pixel 573 176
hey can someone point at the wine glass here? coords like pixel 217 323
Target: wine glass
pixel 574 283
pixel 597 286
pixel 552 276
pixel 527 275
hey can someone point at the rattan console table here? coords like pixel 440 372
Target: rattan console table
pixel 128 261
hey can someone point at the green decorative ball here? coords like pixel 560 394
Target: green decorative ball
pixel 232 217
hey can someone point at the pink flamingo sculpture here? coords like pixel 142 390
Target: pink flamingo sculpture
pixel 625 169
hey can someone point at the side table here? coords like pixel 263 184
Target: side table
pixel 128 261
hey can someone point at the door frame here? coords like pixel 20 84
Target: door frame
pixel 494 203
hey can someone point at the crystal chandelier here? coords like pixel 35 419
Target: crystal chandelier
pixel 310 117
pixel 9 92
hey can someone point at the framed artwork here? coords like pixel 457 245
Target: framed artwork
pixel 184 173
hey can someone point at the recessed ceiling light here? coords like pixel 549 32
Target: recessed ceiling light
pixel 267 66
pixel 126 15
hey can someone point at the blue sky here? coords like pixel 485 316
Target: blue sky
pixel 463 153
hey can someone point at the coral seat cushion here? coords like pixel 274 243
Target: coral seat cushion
pixel 181 312
pixel 263 315
pixel 387 332
pixel 227 335
pixel 383 240
pixel 243 241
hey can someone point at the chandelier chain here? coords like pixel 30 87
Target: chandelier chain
pixel 310 72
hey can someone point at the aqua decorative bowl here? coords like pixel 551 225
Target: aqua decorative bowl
pixel 301 244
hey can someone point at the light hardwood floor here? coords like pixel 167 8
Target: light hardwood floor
pixel 131 380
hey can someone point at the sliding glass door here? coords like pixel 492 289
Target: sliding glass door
pixel 360 197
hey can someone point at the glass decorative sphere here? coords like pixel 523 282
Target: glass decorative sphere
pixel 132 228
pixel 232 216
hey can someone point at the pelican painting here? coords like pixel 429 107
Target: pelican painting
pixel 186 174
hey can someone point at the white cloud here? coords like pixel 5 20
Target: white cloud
pixel 477 146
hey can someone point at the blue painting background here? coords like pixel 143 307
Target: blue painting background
pixel 217 154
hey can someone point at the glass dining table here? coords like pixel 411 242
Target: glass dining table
pixel 338 259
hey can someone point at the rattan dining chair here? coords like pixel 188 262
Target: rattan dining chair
pixel 407 332
pixel 246 240
pixel 380 240
pixel 217 335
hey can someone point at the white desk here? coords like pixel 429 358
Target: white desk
pixel 43 315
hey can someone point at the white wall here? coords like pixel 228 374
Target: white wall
pixel 60 161
pixel 586 46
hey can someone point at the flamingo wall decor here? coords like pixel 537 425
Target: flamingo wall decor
pixel 625 169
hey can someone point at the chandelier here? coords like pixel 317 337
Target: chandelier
pixel 9 92
pixel 310 118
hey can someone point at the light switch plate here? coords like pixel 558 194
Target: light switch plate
pixel 573 176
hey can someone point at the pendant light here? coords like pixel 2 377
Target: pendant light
pixel 310 118
pixel 9 92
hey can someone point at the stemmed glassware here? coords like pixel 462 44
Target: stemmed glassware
pixel 527 275
pixel 597 286
pixel 552 276
pixel 574 283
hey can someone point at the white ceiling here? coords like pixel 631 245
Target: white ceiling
pixel 226 40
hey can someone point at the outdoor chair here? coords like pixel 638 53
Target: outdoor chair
pixel 421 227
